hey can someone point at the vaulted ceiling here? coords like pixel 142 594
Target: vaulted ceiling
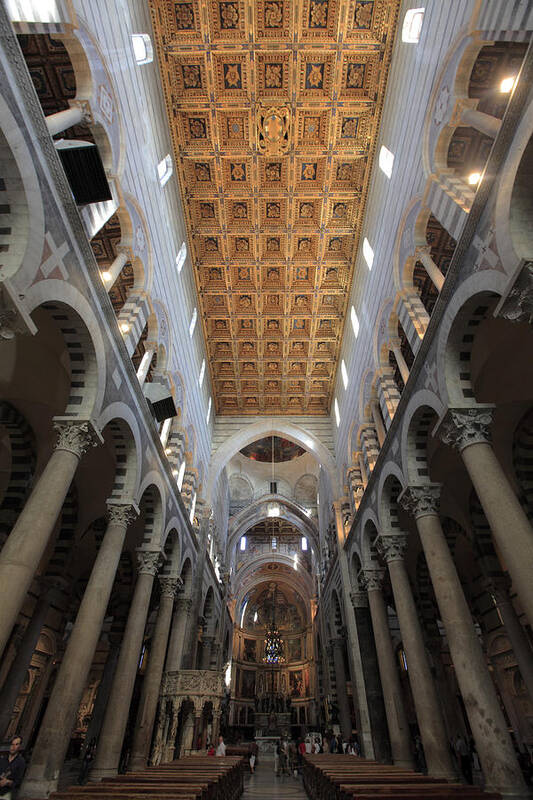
pixel 274 108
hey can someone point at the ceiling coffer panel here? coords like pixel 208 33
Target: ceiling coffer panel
pixel 274 108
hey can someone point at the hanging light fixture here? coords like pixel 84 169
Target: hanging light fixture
pixel 274 645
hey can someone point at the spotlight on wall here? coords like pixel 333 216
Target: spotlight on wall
pixel 508 84
pixel 474 178
pixel 124 327
pixel 168 451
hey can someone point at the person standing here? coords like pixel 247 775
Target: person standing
pixel 465 758
pixel 221 749
pixel 12 768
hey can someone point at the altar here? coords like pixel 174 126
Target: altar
pixel 266 745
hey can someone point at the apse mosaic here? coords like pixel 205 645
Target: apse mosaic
pixel 274 109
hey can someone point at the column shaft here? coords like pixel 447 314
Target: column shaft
pixel 434 273
pixel 496 752
pixel 116 268
pixel 54 734
pixel 151 685
pixel 207 645
pixel 378 422
pixel 507 519
pixel 427 707
pixel 402 363
pixel 116 717
pixel 17 673
pixel 178 635
pixel 484 123
pixel 342 693
pixel 144 366
pixel 29 538
pixel 390 683
pixel 56 123
pixel 519 642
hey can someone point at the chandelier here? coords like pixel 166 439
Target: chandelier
pixel 274 647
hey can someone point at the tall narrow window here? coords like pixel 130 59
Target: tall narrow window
pixel 142 48
pixel 274 543
pixel 273 487
pixel 304 543
pixel 355 322
pixel 243 543
pixel 180 258
pixel 202 373
pixel 337 414
pixel 412 25
pixel 386 161
pixel 344 373
pixel 368 253
pixel 192 324
pixel 208 411
pixel 164 169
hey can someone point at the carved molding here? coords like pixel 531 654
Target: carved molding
pixel 121 514
pixel 462 427
pixel 148 562
pixel 169 585
pixel 518 306
pixel 76 436
pixel 372 579
pixel 392 547
pixel 421 501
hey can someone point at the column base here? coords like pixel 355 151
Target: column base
pixel 137 765
pixel 102 773
pixel 525 794
pixel 37 788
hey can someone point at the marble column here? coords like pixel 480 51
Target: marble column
pixel 116 717
pixel 122 258
pixel 75 115
pixel 423 255
pixel 152 679
pixel 180 623
pixel 400 360
pixel 399 734
pixel 215 728
pixel 428 711
pixel 144 366
pixel 484 123
pixel 27 542
pixel 499 590
pixel 54 734
pixel 378 422
pixel 468 429
pixel 18 670
pixel 488 725
pixel 372 680
pixel 342 692
pixel 102 695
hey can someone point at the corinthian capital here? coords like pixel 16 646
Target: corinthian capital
pixel 121 513
pixel 148 562
pixel 392 547
pixel 372 579
pixel 76 436
pixel 359 598
pixel 462 427
pixel 421 500
pixel 169 585
pixel 518 307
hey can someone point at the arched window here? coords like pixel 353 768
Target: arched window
pixel 180 258
pixel 142 48
pixel 164 170
pixel 412 25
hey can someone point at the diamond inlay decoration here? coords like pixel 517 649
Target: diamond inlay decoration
pixel 274 109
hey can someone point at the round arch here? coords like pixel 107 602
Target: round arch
pixel 258 512
pixel 271 427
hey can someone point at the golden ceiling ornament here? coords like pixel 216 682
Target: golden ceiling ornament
pixel 273 130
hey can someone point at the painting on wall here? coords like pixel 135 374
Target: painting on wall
pixel 249 650
pixel 295 649
pixel 296 685
pixel 248 683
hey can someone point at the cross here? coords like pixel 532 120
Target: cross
pixel 55 259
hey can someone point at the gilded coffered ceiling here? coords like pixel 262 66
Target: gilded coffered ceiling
pixel 274 108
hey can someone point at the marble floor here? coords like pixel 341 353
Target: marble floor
pixel 264 785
